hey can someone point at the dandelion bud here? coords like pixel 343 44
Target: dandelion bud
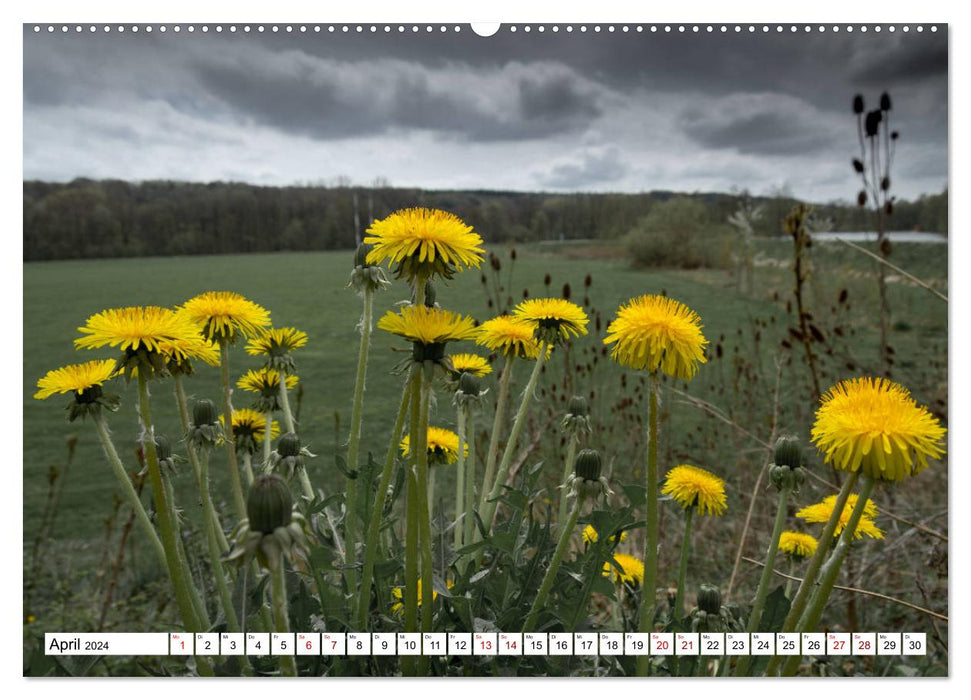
pixel 360 255
pixel 709 599
pixel 885 102
pixel 858 165
pixel 858 104
pixel 469 384
pixel 204 412
pixel 588 465
pixel 788 452
pixel 579 406
pixel 288 445
pixel 269 504
pixel 163 447
pixel 861 198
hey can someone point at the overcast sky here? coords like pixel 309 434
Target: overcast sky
pixel 551 111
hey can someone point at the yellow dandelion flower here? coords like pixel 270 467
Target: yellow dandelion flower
pixel 797 544
pixel 652 332
pixel 555 318
pixel 590 535
pixel 75 378
pixel 248 423
pixel 443 446
pixel 265 381
pixel 511 336
pixel 470 363
pixel 398 594
pixel 428 326
pixel 277 344
pixel 420 243
pixel 694 486
pixel 625 569
pixel 821 513
pixel 226 315
pixel 875 426
pixel 153 329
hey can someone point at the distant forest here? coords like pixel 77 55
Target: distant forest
pixel 111 218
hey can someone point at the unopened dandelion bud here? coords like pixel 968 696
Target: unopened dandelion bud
pixel 588 465
pixel 577 421
pixel 469 384
pixel 365 275
pixel 288 445
pixel 204 412
pixel 709 599
pixel 579 406
pixel 269 505
pixel 360 255
pixel 780 476
pixel 788 452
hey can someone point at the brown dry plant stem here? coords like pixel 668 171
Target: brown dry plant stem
pixel 795 226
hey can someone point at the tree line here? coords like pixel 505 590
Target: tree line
pixel 112 218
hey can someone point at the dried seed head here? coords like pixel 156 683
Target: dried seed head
pixel 858 104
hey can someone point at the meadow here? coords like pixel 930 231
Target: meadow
pixel 754 387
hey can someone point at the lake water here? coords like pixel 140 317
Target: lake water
pixel 870 236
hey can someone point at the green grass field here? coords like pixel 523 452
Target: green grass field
pixel 307 290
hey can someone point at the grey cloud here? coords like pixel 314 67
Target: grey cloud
pixel 899 63
pixel 763 124
pixel 592 168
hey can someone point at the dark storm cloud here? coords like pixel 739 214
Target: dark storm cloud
pixel 326 98
pixel 900 63
pixel 761 124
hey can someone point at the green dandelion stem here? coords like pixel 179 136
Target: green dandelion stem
pixel 413 500
pixel 571 458
pixel 183 404
pixel 131 496
pixel 267 442
pixel 550 576
pixel 468 522
pixel 815 564
pixel 176 571
pixel 197 602
pixel 492 501
pixel 424 520
pixel 281 616
pixel 215 553
pixel 308 488
pixel 377 511
pixel 762 592
pixel 649 593
pixel 459 527
pixel 830 572
pixel 248 469
pixel 678 610
pixel 792 573
pixel 285 404
pixel 491 456
pixel 354 442
pixel 239 503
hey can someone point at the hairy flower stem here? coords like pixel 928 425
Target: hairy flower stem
pixel 239 502
pixel 424 522
pixel 468 521
pixel 762 592
pixel 491 456
pixel 183 404
pixel 812 570
pixel 649 594
pixel 678 610
pixel 281 616
pixel 571 457
pixel 215 553
pixel 127 489
pixel 377 510
pixel 491 502
pixel 827 577
pixel 248 469
pixel 414 498
pixel 354 442
pixel 285 404
pixel 197 603
pixel 308 488
pixel 267 441
pixel 177 573
pixel 459 527
pixel 544 588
